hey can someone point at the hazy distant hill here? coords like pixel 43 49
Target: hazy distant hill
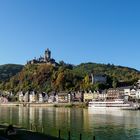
pixel 9 70
pixel 44 77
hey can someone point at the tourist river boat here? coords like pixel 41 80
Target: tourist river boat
pixel 113 104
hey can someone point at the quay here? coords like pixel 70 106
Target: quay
pixel 74 104
pixel 24 134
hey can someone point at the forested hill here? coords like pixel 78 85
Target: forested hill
pixel 67 77
pixel 9 70
pixel 121 73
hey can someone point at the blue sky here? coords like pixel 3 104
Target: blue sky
pixel 76 31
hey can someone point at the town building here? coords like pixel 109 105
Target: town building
pixel 133 93
pixel 115 93
pixel 98 78
pixel 127 91
pixel 52 99
pixel 21 96
pixel 40 96
pixel 89 96
pixel 102 95
pixel 138 94
pixel 62 97
pixel 76 96
pixel 32 97
pixel 3 100
pixel 26 97
pixel 43 97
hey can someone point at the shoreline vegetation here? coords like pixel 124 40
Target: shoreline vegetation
pixel 70 105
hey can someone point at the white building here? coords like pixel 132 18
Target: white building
pixel 51 99
pixel 127 93
pixel 98 78
pixel 138 94
pixel 43 97
pixel 133 93
pixel 26 97
pixel 40 96
pixel 21 96
pixel 32 97
pixel 102 96
pixel 138 83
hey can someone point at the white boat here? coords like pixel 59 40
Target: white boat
pixel 112 105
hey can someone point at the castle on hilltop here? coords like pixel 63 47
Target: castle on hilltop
pixel 46 59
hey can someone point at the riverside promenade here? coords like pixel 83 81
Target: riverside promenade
pixel 23 134
pixel 72 104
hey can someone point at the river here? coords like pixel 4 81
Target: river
pixel 115 125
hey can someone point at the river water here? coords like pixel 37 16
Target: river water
pixel 115 125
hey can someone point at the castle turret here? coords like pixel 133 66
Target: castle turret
pixel 47 55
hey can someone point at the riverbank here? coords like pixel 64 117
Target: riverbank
pixel 22 134
pixel 73 104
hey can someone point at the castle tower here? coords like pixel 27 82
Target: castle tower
pixel 47 55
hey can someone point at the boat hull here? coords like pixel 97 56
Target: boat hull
pixel 113 108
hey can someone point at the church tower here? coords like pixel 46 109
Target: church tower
pixel 47 55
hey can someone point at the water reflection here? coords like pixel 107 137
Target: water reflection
pixel 106 125
pixel 119 117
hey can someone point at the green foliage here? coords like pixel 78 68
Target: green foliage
pixel 65 77
pixel 114 83
pixel 121 74
pixel 86 84
pixel 9 70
